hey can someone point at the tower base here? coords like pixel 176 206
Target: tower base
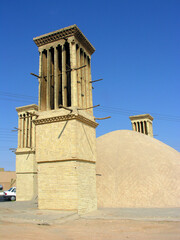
pixel 66 158
pixel 26 175
pixel 67 185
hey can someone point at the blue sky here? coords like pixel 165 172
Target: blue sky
pixel 137 55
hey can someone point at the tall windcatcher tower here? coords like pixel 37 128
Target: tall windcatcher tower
pixel 64 69
pixel 65 126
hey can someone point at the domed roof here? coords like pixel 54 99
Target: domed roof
pixel 135 170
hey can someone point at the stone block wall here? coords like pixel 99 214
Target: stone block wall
pixel 66 155
pixel 56 141
pixel 57 185
pixel 26 184
pixel 67 185
pixel 87 199
pixel 26 176
pixel 85 142
pixel 64 139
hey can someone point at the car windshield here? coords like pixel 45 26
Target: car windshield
pixel 10 189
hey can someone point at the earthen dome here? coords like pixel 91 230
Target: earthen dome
pixel 135 170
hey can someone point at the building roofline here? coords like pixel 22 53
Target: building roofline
pixel 27 107
pixel 62 33
pixel 141 116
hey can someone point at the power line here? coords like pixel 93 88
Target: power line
pixel 4 128
pixel 126 112
pixel 7 135
pixel 7 138
pixel 15 100
pixel 5 132
pixel 114 110
pixel 8 96
pixel 15 95
pixel 138 111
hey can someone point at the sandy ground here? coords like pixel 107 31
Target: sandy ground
pixel 93 230
pixel 23 221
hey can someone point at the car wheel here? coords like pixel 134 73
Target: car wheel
pixel 13 198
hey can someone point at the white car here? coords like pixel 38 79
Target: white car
pixel 10 194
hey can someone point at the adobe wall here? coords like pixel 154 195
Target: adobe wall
pixel 7 179
pixel 66 155
pixel 26 174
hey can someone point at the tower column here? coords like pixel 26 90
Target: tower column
pixel 73 62
pixel 87 82
pixel 90 86
pixel 48 107
pixel 82 80
pixel 26 131
pixel 140 128
pixel 19 131
pixel 144 127
pixel 40 79
pixel 64 76
pixel 79 77
pixel 85 70
pixel 29 135
pixel 33 132
pixel 56 79
pixel 149 128
pixel 136 126
pixel 23 122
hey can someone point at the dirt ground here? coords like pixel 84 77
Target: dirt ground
pixel 92 230
pixel 24 221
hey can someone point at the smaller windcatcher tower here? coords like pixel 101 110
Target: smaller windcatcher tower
pixel 142 123
pixel 26 166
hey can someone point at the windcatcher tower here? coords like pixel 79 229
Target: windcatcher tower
pixel 65 126
pixel 26 166
pixel 142 123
